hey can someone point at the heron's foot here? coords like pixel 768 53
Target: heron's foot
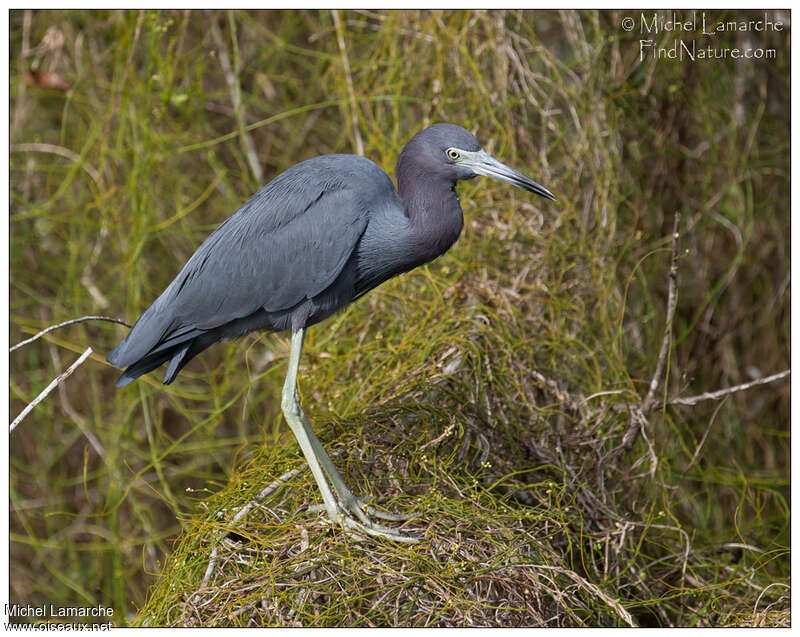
pixel 366 508
pixel 353 514
pixel 359 506
pixel 351 525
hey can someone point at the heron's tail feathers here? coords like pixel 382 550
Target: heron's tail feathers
pixel 176 355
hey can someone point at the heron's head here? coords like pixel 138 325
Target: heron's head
pixel 450 152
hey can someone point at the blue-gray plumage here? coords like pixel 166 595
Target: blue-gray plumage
pixel 307 244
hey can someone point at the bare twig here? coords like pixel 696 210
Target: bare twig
pixel 243 511
pixel 349 79
pixel 65 323
pixel 265 493
pixel 740 545
pixel 672 298
pixel 86 277
pixel 651 451
pixel 638 412
pixel 766 588
pixel 212 563
pixel 721 393
pixel 232 79
pixel 448 430
pixel 610 392
pixel 587 586
pixel 79 420
pixel 58 379
pixel 639 420
pixel 52 149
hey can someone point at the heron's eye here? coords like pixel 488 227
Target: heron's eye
pixel 453 154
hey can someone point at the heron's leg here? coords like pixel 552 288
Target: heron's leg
pixel 346 497
pixel 316 457
pixel 290 404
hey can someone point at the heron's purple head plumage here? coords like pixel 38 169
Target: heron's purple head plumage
pixel 449 153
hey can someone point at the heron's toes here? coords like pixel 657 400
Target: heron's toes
pixel 376 530
pixel 384 515
pixel 362 508
pixel 354 516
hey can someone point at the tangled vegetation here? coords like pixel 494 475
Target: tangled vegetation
pixel 538 395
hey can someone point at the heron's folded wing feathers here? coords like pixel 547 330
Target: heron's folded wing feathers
pixel 288 242
pixel 250 267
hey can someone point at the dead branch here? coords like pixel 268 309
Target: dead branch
pixel 79 420
pixel 65 323
pixel 54 383
pixel 232 79
pixel 638 413
pixel 52 149
pixel 672 299
pixel 243 511
pixel 721 393
pixel 349 79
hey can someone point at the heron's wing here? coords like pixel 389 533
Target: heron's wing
pixel 287 243
pixel 248 266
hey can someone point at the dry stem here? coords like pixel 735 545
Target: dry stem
pixel 53 384
pixel 38 335
pixel 232 79
pixel 243 511
pixel 672 299
pixel 721 393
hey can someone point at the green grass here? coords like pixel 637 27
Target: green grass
pixel 528 344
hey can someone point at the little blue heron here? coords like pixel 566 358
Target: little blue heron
pixel 313 240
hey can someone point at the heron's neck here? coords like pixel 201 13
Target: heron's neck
pixel 433 211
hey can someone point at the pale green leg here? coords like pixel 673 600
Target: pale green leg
pixel 347 505
pixel 346 497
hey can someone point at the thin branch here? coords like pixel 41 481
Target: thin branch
pixel 52 149
pixel 232 79
pixel 638 412
pixel 65 323
pixel 586 585
pixel 349 79
pixel 243 511
pixel 610 392
pixel 55 382
pixel 439 438
pixel 766 588
pixel 672 298
pixel 79 420
pixel 651 451
pixel 721 393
